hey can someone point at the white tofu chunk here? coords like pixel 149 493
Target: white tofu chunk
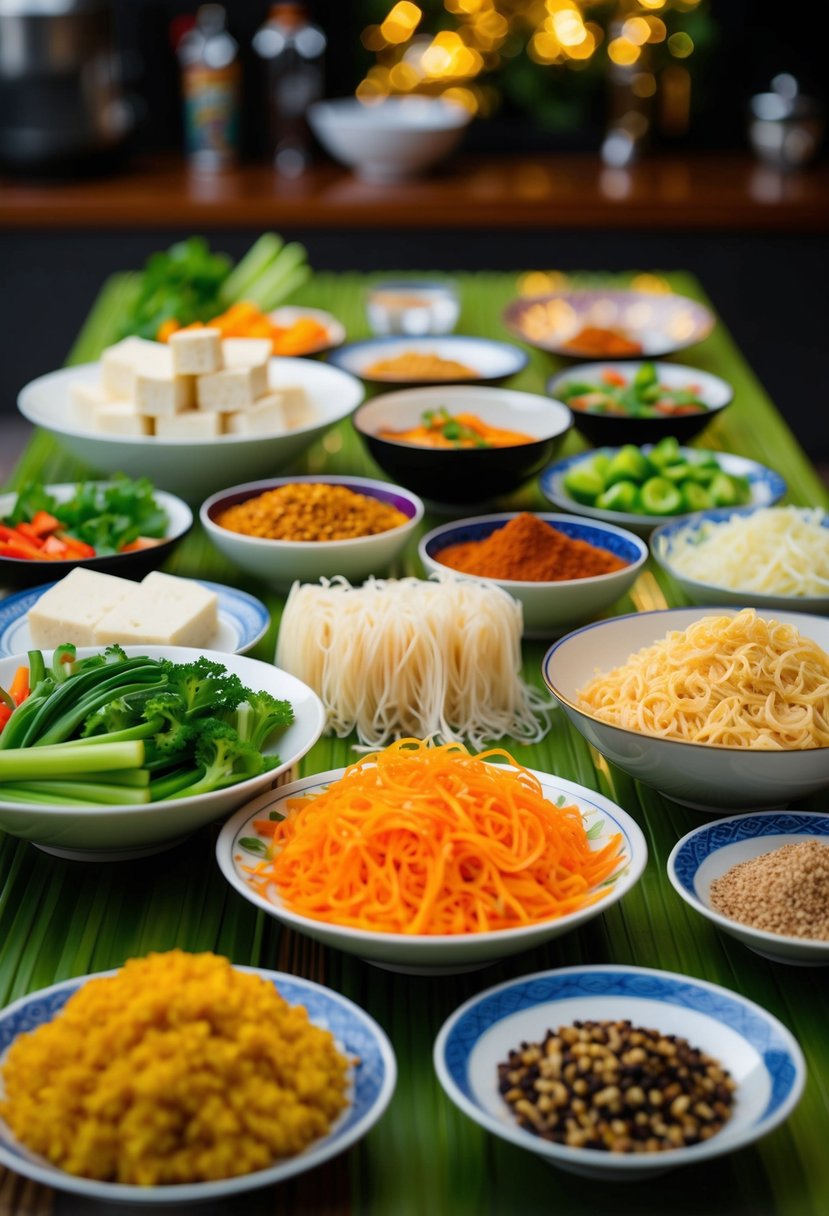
pixel 189 424
pixel 87 399
pixel 121 418
pixel 163 610
pixel 265 417
pixel 297 407
pixel 233 389
pixel 196 352
pixel 161 396
pixel 118 364
pixel 246 352
pixel 69 611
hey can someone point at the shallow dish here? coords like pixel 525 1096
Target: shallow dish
pixel 491 361
pixel 281 562
pixel 291 313
pixel 390 140
pixel 709 593
pixel 549 608
pixel 767 488
pixel 20 572
pixel 661 323
pixel 422 953
pixel 112 833
pixel 192 467
pixel 713 849
pixel 463 475
pixel 699 775
pixel 356 1034
pixel 759 1052
pixel 616 429
pixel 243 619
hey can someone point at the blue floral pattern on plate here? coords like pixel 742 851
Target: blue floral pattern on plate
pixel 702 843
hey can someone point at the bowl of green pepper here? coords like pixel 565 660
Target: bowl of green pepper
pixel 642 487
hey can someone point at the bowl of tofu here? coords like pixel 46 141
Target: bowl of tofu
pixel 199 411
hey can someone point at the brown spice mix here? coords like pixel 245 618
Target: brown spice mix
pixel 311 511
pixel 784 891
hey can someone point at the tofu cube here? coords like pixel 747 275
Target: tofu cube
pixel 69 611
pixel 265 417
pixel 121 418
pixel 246 352
pixel 295 403
pixel 233 389
pixel 163 610
pixel 189 424
pixel 87 399
pixel 118 364
pixel 161 395
pixel 196 352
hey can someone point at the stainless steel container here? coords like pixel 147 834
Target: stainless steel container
pixel 60 85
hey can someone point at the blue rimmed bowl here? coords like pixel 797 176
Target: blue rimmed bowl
pixel 489 361
pixel 281 562
pixel 711 851
pixel 759 1052
pixel 662 543
pixel 373 1079
pixel 767 487
pixel 549 608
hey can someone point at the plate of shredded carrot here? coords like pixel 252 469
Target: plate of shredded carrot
pixel 424 857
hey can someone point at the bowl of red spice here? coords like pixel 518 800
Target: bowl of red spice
pixel 762 878
pixel 561 569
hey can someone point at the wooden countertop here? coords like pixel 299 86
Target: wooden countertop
pixel 694 192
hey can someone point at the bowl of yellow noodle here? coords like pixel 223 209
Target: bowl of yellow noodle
pixel 717 708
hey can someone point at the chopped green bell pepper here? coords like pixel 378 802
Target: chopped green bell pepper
pixel 584 484
pixel 621 496
pixel 629 464
pixel 660 497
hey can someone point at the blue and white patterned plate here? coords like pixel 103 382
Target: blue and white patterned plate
pixel 372 1085
pixel 761 1055
pixel 243 620
pixel 710 851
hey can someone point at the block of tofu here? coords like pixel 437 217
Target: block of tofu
pixel 121 418
pixel 265 417
pixel 235 388
pixel 87 399
pixel 196 351
pixel 189 424
pixel 118 364
pixel 295 403
pixel 161 395
pixel 246 352
pixel 69 611
pixel 164 610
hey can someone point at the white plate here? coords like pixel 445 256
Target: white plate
pixel 356 1034
pixel 243 620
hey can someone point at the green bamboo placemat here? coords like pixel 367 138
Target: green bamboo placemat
pixel 59 919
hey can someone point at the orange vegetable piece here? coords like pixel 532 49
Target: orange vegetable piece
pixel 166 329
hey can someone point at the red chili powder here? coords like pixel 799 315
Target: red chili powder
pixel 528 550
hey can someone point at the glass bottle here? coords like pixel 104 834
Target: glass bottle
pixel 292 50
pixel 211 78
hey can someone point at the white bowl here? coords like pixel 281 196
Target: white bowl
pixel 697 774
pixel 389 140
pixel 713 849
pixel 760 1053
pixel 192 467
pixel 109 833
pixel 662 541
pixel 422 953
pixel 373 1079
pixel 549 608
pixel 281 562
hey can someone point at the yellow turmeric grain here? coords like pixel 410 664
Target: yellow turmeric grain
pixel 310 511
pixel 177 1069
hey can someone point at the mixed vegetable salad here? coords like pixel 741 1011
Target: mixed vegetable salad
pixel 637 396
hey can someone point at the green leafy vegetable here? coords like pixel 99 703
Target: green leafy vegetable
pixel 106 515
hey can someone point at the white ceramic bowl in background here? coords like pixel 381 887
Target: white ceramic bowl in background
pixel 356 1034
pixel 489 360
pixel 281 562
pixel 190 467
pixel 713 849
pixel 389 140
pixel 762 1056
pixel 422 953
pixel 549 608
pixel 699 775
pixel 110 833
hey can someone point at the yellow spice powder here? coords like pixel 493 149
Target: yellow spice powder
pixel 177 1069
pixel 304 511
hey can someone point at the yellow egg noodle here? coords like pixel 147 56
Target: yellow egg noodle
pixel 408 657
pixel 731 681
pixel 776 551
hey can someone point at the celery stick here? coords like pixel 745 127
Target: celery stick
pixel 80 791
pixel 248 269
pixel 268 290
pixel 39 763
pixel 134 778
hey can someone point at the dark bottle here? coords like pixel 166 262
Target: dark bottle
pixel 209 58
pixel 292 51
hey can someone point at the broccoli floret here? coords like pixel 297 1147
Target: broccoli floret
pixel 115 653
pixel 173 733
pixel 223 759
pixel 119 714
pixel 260 715
pixel 205 687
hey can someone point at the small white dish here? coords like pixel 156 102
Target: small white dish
pixel 699 775
pixel 488 360
pixel 191 467
pixel 373 1079
pixel 762 1056
pixel 551 608
pixel 243 619
pixel 712 850
pixel 281 562
pixel 412 306
pixel 423 954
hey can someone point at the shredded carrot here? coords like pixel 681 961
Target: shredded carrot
pixel 422 839
pixel 19 687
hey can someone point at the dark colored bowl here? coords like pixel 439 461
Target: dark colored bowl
pixel 470 475
pixel 614 430
pixel 21 572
